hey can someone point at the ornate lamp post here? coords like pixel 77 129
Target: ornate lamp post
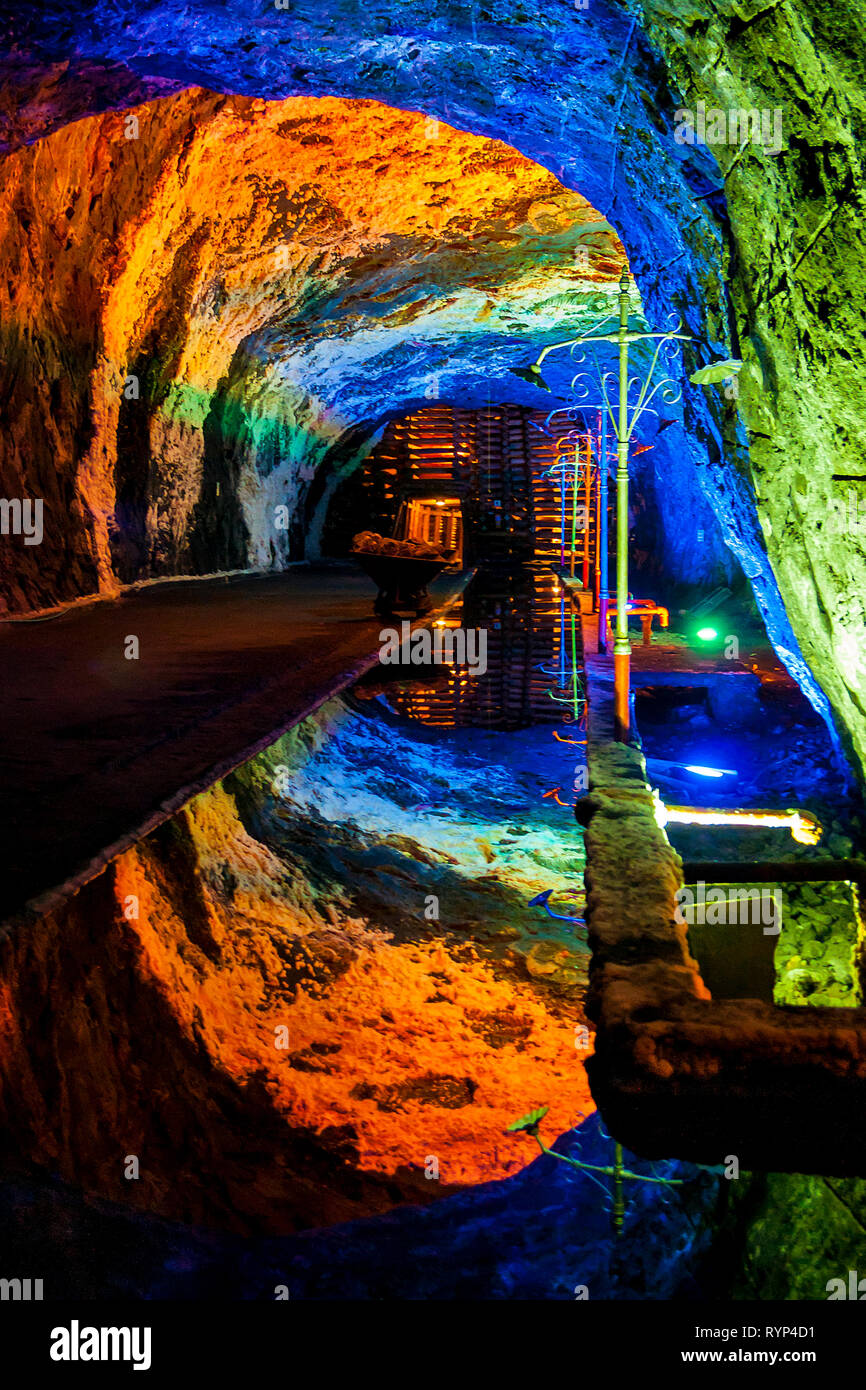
pixel 573 413
pixel 623 420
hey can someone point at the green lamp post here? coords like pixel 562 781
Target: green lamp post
pixel 623 420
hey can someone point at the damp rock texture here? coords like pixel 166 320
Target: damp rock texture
pixel 113 266
pixel 817 960
pixel 795 1236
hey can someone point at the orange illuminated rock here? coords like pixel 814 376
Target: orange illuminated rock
pixel 193 317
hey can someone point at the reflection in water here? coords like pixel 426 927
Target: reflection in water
pixel 533 673
pixel 455 789
pixel 425 819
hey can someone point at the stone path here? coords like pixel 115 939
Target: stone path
pixel 97 746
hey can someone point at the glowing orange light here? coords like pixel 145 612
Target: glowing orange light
pixel 804 828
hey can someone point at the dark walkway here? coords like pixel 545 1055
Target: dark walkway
pixel 97 749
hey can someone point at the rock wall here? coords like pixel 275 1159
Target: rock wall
pixel 794 253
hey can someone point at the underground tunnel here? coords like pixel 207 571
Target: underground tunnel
pixel 432 585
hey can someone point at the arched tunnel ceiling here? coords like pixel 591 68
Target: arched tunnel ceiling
pixel 262 280
pixel 761 252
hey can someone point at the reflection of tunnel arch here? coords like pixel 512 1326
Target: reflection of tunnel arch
pixel 592 96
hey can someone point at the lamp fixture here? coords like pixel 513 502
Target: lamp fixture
pixel 531 374
pixel 805 829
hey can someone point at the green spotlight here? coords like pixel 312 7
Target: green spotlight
pixel 707 634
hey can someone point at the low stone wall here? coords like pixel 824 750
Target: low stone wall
pixel 676 1073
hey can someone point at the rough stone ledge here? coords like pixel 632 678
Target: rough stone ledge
pixel 676 1073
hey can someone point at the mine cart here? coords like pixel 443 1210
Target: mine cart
pixel 402 582
pixel 427 539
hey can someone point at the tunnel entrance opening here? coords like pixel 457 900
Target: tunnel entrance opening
pixel 262 362
pixel 436 521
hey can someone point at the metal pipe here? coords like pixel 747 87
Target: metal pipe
pixel 562 639
pixel 776 871
pixel 602 536
pixel 596 500
pixel 587 501
pixel 562 527
pixel 621 645
pixel 618 1199
pixel 574 663
pixel 574 503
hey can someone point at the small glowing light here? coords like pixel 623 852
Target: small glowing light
pixel 707 634
pixel 805 829
pixel 706 771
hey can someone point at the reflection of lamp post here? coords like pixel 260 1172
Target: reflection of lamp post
pixel 558 472
pixel 621 644
pixel 623 429
pixel 528 1124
